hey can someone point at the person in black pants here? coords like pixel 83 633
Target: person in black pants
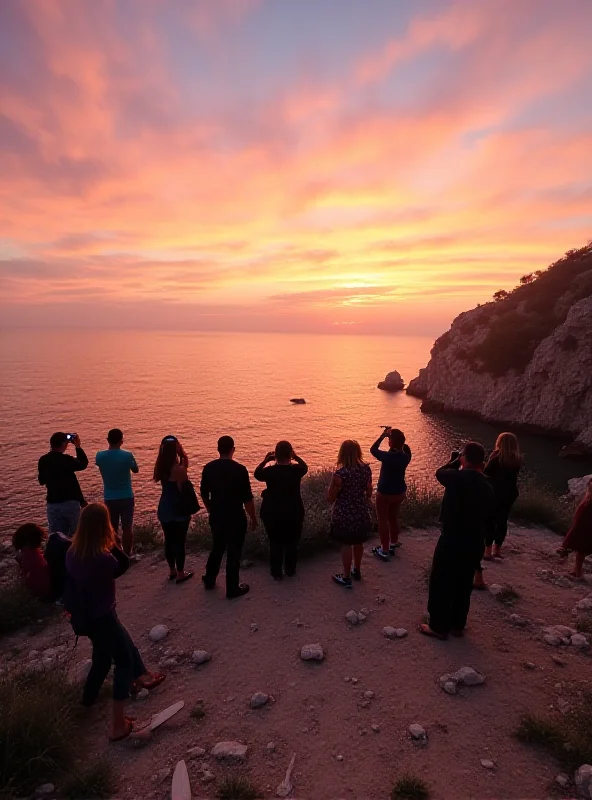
pixel 93 562
pixel 282 510
pixel 467 508
pixel 226 493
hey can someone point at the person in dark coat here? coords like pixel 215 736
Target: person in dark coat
pixel 502 469
pixel 467 508
pixel 579 536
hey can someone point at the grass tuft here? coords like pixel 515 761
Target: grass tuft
pixel 18 607
pixel 408 787
pixel 508 595
pixel 568 739
pixel 234 788
pixel 147 536
pixel 37 728
pixel 198 711
pixel 94 780
pixel 539 505
pixel 421 508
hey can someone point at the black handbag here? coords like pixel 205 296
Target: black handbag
pixel 188 502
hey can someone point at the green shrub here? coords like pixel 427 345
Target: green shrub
pixel 234 788
pixel 37 728
pixel 18 607
pixel 94 780
pixel 408 787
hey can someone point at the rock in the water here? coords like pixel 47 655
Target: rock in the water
pixel 580 641
pixel 352 617
pixel 518 621
pixel 158 633
pixel 583 780
pixel 495 589
pixel 487 763
pixel 393 382
pixel 196 752
pixel 312 652
pixel 230 752
pixel 258 700
pixel 417 732
pixel 200 657
pixel 389 632
pixel 45 789
pixel 469 677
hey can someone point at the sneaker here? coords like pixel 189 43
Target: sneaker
pixel 356 574
pixel 379 553
pixel 394 547
pixel 342 580
pixel 240 590
pixel 208 584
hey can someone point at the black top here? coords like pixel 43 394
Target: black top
pixel 467 507
pixel 503 479
pixel 225 488
pixel 281 498
pixel 393 464
pixel 57 472
pixel 55 555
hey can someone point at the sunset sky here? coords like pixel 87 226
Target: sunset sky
pixel 314 165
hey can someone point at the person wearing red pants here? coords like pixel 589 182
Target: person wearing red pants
pixel 391 489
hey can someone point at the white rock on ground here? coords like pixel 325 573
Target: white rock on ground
pixel 580 641
pixel 362 617
pixel 585 604
pixel 553 641
pixel 200 657
pixel 487 763
pixel 258 700
pixel 158 633
pixel 230 752
pixel 352 617
pixel 400 633
pixel 389 632
pixel 469 677
pixel 417 732
pixel 143 694
pixel 369 694
pixel 196 752
pixel 312 652
pixel 583 779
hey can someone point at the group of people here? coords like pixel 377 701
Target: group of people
pixel 84 553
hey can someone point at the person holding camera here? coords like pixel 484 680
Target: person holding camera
pixel 116 466
pixel 57 471
pixel 282 510
pixel 170 471
pixel 391 489
pixel 226 493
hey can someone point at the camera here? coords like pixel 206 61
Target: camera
pixel 70 437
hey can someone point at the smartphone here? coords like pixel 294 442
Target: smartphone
pixel 70 437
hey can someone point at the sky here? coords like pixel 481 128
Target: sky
pixel 368 166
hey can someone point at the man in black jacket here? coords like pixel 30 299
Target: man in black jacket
pixel 57 471
pixel 467 510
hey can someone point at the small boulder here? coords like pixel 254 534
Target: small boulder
pixel 200 657
pixel 158 633
pixel 552 640
pixel 389 632
pixel 495 589
pixel 449 683
pixel 487 763
pixel 352 617
pixel 417 732
pixel 365 612
pixel 583 781
pixel 362 617
pixel 369 695
pixel 258 700
pixel 469 677
pixel 312 652
pixel 517 620
pixel 230 752
pixel 401 633
pixel 196 752
pixel 580 641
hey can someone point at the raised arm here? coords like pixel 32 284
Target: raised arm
pixel 375 450
pixel 301 463
pixel 446 475
pixel 260 471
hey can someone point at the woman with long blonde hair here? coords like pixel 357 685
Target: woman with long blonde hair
pixel 350 492
pixel 502 469
pixel 93 563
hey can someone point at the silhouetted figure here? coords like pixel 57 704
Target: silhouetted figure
pixel 391 489
pixel 57 471
pixel 116 466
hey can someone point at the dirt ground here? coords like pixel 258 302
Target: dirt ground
pixel 317 711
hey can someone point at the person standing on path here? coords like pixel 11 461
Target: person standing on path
pixel 170 471
pixel 116 466
pixel 579 535
pixel 467 508
pixel 502 469
pixel 350 492
pixel 282 510
pixel 226 493
pixel 93 563
pixel 57 471
pixel 391 489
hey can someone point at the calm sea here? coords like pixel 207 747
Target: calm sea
pixel 201 385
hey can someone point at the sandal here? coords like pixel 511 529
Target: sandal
pixel 427 631
pixel 184 577
pixel 129 729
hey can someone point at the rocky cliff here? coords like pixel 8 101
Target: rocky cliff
pixel 525 359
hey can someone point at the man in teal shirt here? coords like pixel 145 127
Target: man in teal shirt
pixel 116 467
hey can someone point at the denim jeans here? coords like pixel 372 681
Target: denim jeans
pixel 63 517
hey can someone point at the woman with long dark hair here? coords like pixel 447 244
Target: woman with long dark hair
pixel 282 510
pixel 350 492
pixel 170 471
pixel 93 562
pixel 502 469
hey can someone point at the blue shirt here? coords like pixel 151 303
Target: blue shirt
pixel 392 468
pixel 116 467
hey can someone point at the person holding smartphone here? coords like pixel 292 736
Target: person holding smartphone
pixel 57 472
pixel 391 489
